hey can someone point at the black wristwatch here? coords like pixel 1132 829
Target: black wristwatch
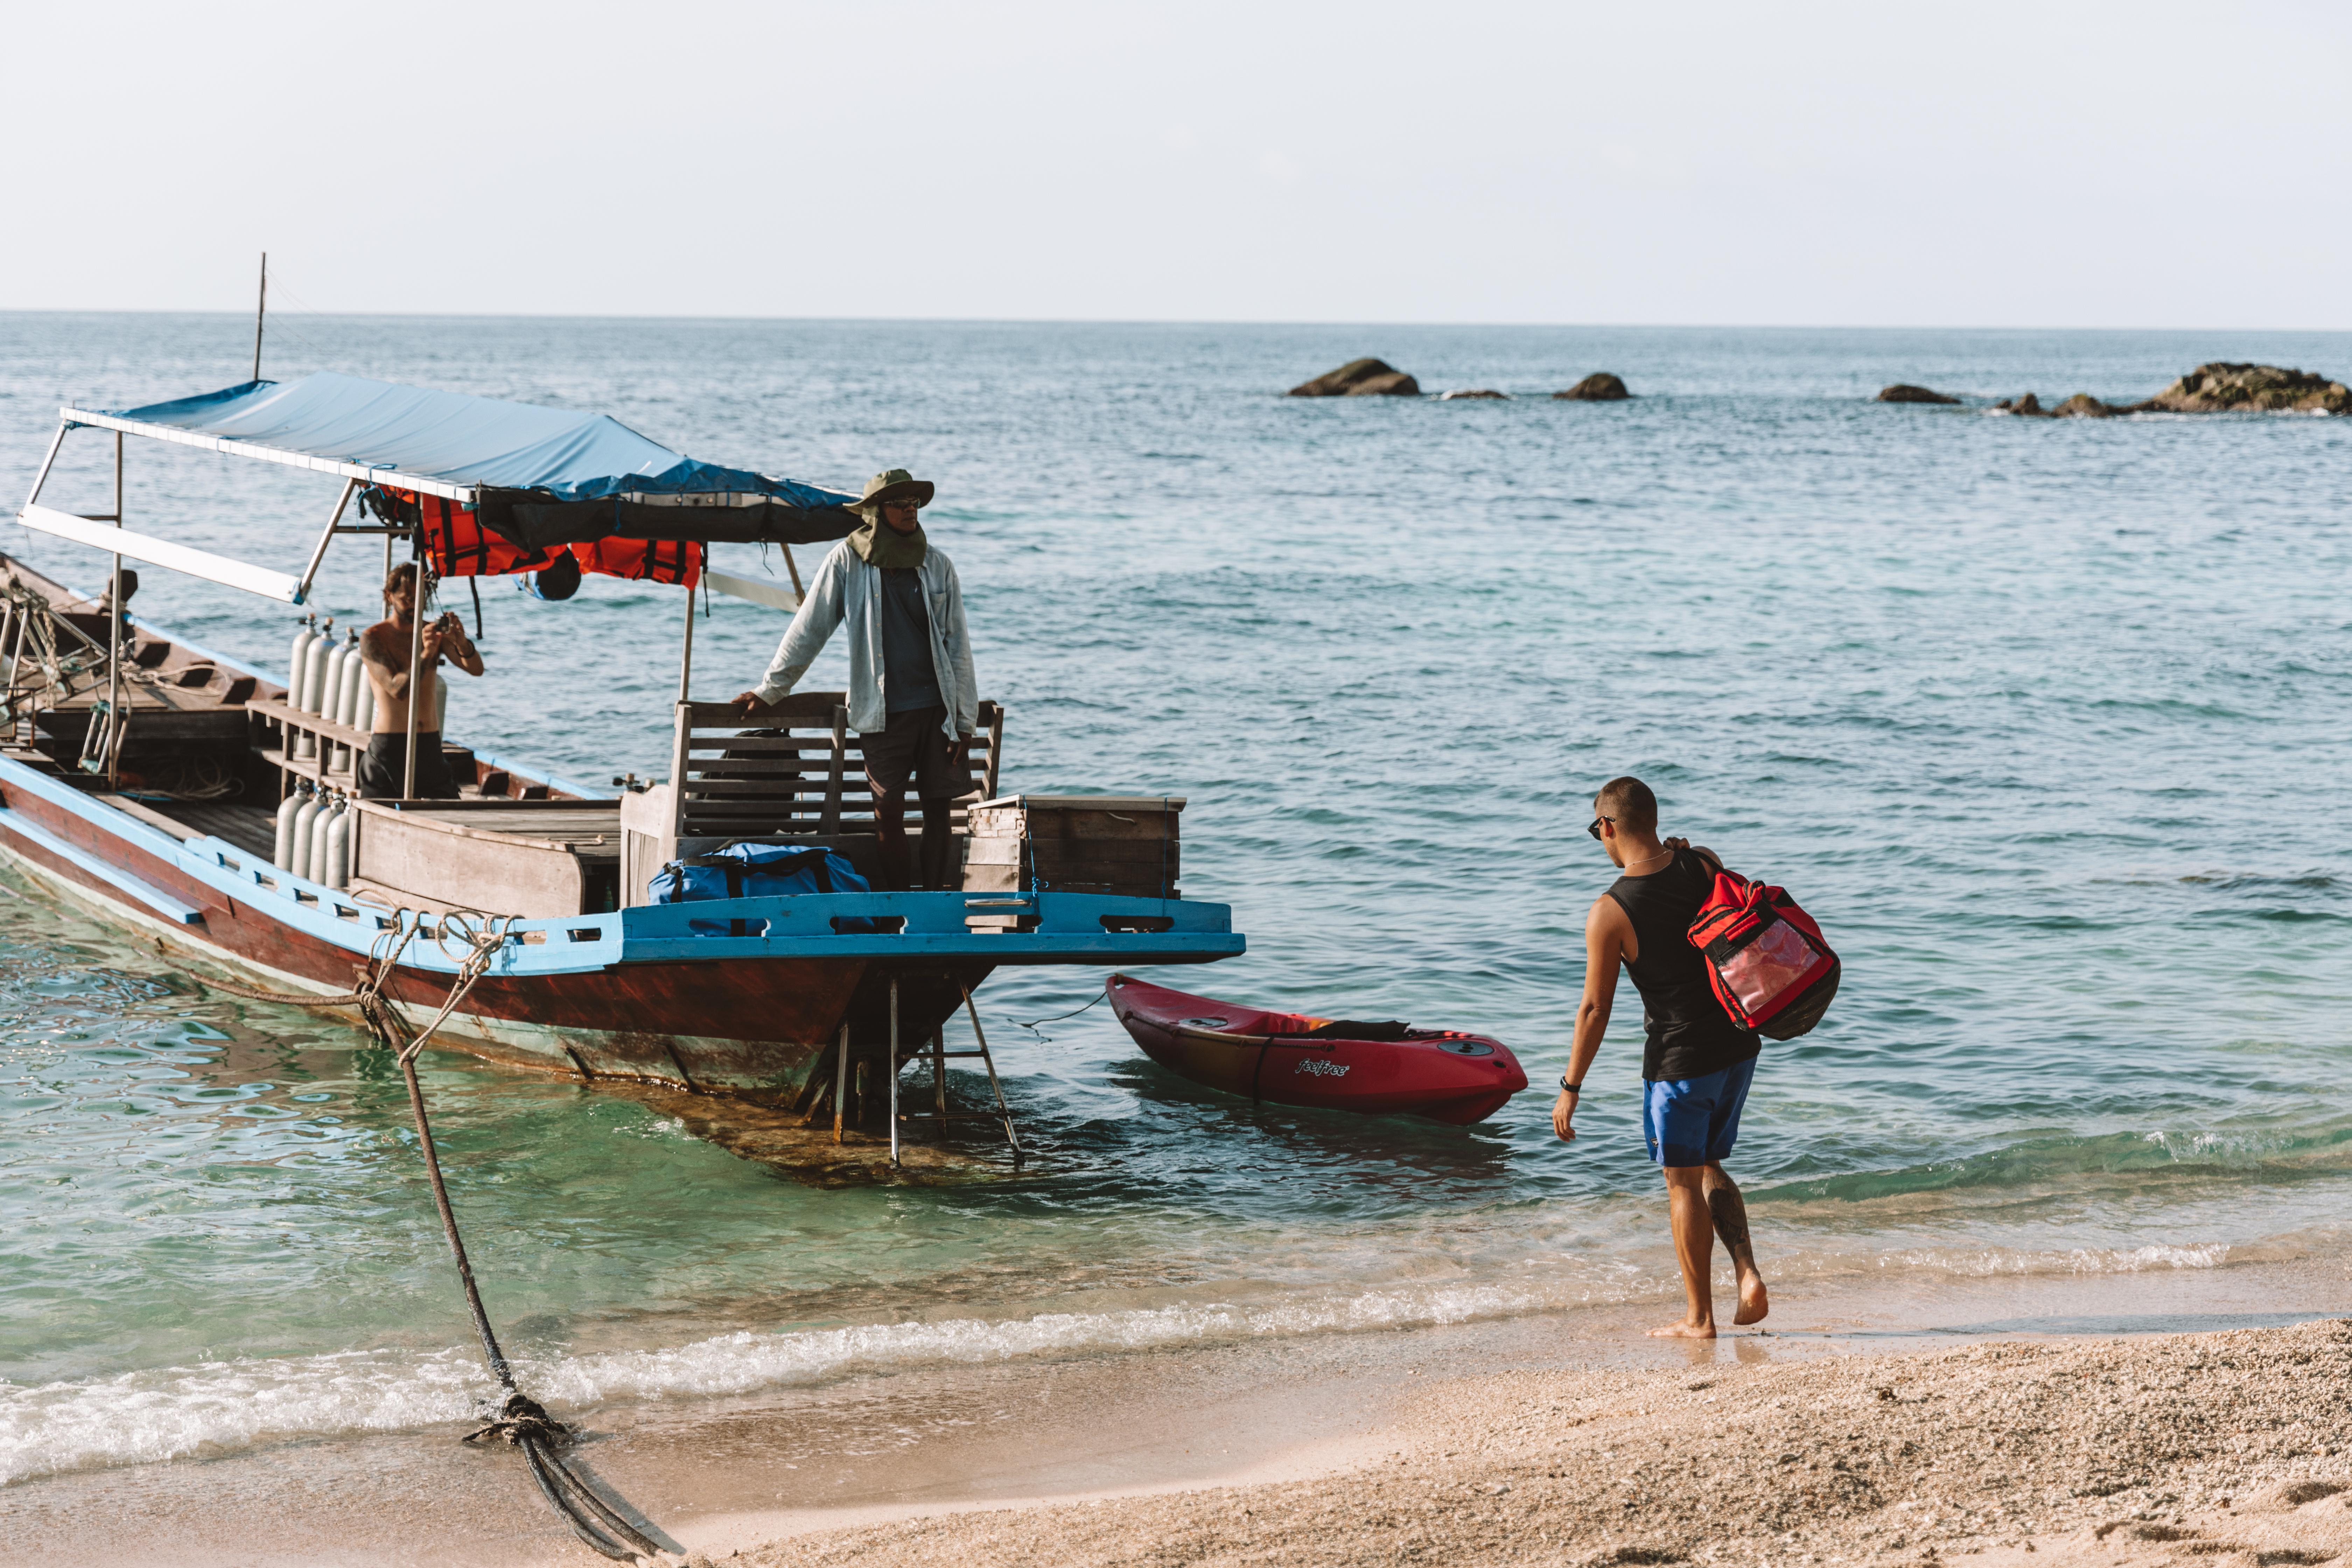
pixel 1568 1088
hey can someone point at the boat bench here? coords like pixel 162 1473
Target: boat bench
pixel 796 774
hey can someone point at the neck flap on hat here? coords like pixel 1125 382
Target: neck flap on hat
pixel 879 544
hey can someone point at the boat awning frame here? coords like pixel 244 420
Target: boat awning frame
pixel 284 587
pixel 364 473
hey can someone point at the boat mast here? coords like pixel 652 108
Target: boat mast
pixel 260 304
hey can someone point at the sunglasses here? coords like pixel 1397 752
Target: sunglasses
pixel 900 505
pixel 1593 827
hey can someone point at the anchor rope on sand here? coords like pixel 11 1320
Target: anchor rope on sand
pixel 519 1420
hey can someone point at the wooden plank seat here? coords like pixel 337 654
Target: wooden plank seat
pixel 799 772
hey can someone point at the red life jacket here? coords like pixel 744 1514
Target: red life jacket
pixel 459 546
pixel 641 560
pixel 1765 957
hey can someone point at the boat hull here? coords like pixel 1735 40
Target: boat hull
pixel 1445 1074
pixel 636 993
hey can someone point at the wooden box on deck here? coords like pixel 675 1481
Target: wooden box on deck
pixel 1125 845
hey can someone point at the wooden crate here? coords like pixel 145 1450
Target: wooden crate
pixel 1125 845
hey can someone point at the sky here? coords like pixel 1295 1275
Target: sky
pixel 2142 164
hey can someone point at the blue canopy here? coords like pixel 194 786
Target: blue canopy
pixel 555 453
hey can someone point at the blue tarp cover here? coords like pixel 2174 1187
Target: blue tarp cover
pixel 462 440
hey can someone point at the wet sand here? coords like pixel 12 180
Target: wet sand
pixel 1915 1418
pixel 2228 1447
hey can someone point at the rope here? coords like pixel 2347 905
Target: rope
pixel 1031 1025
pixel 521 1420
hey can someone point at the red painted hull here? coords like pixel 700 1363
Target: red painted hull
pixel 750 1025
pixel 1445 1075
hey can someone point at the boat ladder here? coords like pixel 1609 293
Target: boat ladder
pixel 939 1055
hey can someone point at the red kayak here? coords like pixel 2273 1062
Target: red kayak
pixel 1382 1069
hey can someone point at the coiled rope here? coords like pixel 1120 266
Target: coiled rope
pixel 519 1420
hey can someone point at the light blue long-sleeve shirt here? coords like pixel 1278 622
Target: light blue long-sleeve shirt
pixel 849 589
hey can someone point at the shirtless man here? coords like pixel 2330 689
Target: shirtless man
pixel 385 648
pixel 1697 1064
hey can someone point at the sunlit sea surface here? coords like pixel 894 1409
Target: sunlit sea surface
pixel 2047 723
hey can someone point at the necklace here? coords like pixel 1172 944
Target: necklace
pixel 1647 858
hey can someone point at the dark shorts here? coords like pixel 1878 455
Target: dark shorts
pixel 914 746
pixel 1694 1121
pixel 386 759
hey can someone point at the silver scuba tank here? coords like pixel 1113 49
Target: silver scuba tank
pixel 339 845
pixel 321 827
pixel 297 662
pixel 283 857
pixel 303 821
pixel 330 686
pixel 314 667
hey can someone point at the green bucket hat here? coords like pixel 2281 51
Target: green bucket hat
pixel 890 485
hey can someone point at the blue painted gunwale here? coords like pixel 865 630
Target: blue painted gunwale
pixel 1069 925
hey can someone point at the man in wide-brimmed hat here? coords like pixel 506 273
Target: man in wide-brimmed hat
pixel 911 692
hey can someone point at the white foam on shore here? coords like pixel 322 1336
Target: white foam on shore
pixel 184 1411
pixel 223 1407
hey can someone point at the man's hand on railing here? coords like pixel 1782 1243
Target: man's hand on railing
pixel 748 705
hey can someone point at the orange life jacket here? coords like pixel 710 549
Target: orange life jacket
pixel 459 546
pixel 641 560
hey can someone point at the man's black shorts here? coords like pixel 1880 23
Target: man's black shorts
pixel 386 759
pixel 916 744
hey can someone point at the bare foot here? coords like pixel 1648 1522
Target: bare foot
pixel 1685 1330
pixel 1753 1301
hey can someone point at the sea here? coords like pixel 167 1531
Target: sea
pixel 2046 721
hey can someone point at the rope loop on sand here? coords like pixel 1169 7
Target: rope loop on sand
pixel 521 1421
pixel 519 1418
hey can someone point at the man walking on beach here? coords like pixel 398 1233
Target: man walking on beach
pixel 912 697
pixel 1697 1063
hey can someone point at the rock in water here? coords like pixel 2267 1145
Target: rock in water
pixel 1481 392
pixel 2028 404
pixel 1598 387
pixel 1904 392
pixel 1360 378
pixel 2217 388
pixel 2083 405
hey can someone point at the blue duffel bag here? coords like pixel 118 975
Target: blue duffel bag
pixel 756 872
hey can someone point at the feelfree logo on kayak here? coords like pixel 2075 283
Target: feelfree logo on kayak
pixel 1326 1069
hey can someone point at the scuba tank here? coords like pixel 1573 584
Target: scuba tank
pixel 323 701
pixel 314 672
pixel 298 676
pixel 354 675
pixel 321 827
pixel 283 856
pixel 339 845
pixel 298 662
pixel 313 801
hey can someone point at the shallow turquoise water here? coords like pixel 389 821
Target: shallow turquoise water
pixel 2044 720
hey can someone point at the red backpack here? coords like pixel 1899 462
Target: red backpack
pixel 1765 957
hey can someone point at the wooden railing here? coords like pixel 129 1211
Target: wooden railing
pixel 796 769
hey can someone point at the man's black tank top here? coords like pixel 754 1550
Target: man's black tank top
pixel 1690 1035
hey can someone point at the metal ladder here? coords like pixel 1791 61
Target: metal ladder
pixel 940 1056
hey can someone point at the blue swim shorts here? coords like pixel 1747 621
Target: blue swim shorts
pixel 1694 1121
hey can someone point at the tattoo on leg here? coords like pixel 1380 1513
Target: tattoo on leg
pixel 1730 1213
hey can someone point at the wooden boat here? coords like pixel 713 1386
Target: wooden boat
pixel 1292 1058
pixel 141 775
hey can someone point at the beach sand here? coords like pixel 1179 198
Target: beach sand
pixel 1887 1420
pixel 2228 1447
